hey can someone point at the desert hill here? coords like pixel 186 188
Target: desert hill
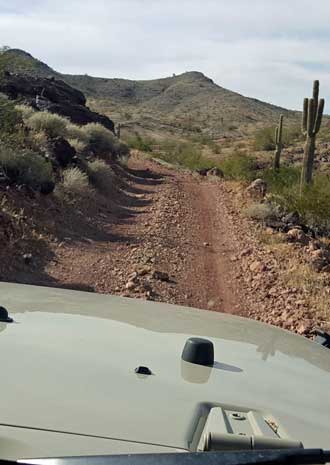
pixel 187 103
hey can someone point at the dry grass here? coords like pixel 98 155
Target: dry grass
pixel 74 186
pixel 78 145
pixel 25 110
pixel 261 211
pixel 53 125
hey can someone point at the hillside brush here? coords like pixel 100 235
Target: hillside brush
pixel 311 123
pixel 278 143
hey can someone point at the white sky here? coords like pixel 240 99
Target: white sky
pixel 268 49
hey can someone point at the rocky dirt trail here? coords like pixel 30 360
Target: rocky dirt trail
pixel 172 243
pixel 175 237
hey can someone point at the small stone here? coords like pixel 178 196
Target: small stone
pixel 133 276
pixel 161 276
pixel 130 285
pixel 206 244
pixel 258 267
pixel 143 271
pixel 257 189
pixel 246 252
pixel 298 236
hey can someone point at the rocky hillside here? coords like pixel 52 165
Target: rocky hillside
pixel 53 95
pixel 188 103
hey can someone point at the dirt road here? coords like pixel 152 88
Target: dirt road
pixel 172 240
pixel 164 235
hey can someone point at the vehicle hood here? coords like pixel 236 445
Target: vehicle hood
pixel 69 359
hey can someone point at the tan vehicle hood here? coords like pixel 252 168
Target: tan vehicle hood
pixel 68 364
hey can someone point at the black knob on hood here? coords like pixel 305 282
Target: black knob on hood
pixel 199 351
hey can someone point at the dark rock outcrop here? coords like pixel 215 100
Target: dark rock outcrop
pixel 52 95
pixel 47 187
pixel 60 152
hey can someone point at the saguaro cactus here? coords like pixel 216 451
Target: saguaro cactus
pixel 311 123
pixel 278 143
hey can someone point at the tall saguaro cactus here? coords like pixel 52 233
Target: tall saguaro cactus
pixel 278 143
pixel 311 123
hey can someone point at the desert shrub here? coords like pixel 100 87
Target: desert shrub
pixel 101 141
pixel 122 149
pixel 78 145
pixel 185 154
pixel 53 125
pixel 264 139
pixel 10 118
pixel 100 175
pixel 39 141
pixel 73 131
pixel 74 185
pixel 137 142
pixel 25 111
pixel 205 139
pixel 239 166
pixel 292 134
pixel 285 177
pixel 261 211
pixel 312 203
pixel 26 168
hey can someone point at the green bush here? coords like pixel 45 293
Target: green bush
pixel 26 168
pixel 101 175
pixel 239 166
pixel 10 118
pixel 185 154
pixel 285 177
pixel 51 124
pixel 73 131
pixel 264 139
pixel 312 203
pixel 136 142
pixel 101 141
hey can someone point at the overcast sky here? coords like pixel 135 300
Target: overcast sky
pixel 268 49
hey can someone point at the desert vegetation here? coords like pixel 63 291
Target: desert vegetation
pixel 255 184
pixel 41 150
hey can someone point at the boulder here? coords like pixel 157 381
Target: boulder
pixel 161 276
pixel 53 95
pixel 19 86
pixel 79 114
pixel 60 152
pixel 320 260
pixel 47 187
pixel 291 218
pixel 257 189
pixel 297 235
pixel 215 172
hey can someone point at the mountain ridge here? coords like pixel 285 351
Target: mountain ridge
pixel 189 102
